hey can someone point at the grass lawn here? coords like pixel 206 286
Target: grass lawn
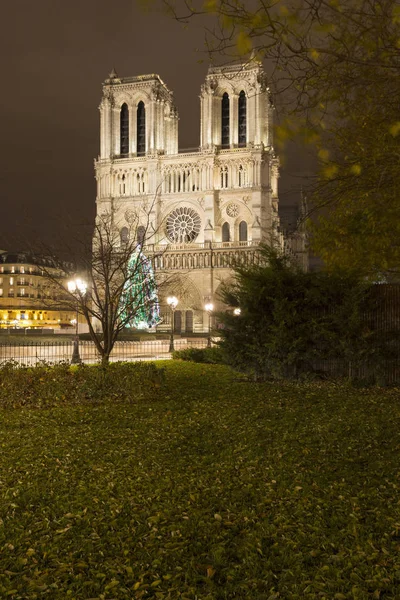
pixel 216 489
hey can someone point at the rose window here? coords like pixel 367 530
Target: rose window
pixel 183 225
pixel 232 210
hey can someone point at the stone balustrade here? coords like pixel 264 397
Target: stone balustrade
pixel 220 255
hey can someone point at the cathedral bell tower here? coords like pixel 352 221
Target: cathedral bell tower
pixel 137 117
pixel 236 109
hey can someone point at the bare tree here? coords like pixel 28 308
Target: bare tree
pixel 120 285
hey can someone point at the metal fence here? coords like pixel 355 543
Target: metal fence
pixel 35 353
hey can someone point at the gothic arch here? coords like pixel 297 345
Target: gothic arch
pixel 242 86
pixel 227 87
pixel 187 292
pixel 123 98
pixel 243 212
pixel 189 203
pixel 140 96
pixel 227 280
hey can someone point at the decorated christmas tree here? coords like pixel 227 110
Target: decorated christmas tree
pixel 139 301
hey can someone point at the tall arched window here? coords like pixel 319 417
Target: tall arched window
pixel 225 121
pixel 242 119
pixel 141 232
pixel 124 129
pixel 124 235
pixel 226 234
pixel 242 231
pixel 141 129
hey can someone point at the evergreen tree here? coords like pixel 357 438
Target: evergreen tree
pixel 289 319
pixel 139 301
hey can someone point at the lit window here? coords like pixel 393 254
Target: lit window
pixel 1 269
pixel 141 129
pixel 11 292
pixel 225 121
pixel 11 280
pixel 124 129
pixel 13 269
pixel 1 291
pixel 242 119
pixel 22 269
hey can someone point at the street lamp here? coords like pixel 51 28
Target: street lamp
pixel 172 301
pixel 209 307
pixel 237 312
pixel 77 287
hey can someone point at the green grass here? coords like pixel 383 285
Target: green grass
pixel 216 489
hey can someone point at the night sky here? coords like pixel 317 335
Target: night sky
pixel 55 56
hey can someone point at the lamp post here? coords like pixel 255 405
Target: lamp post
pixel 77 287
pixel 237 312
pixel 172 301
pixel 209 307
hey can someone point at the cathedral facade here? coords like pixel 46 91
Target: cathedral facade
pixel 200 209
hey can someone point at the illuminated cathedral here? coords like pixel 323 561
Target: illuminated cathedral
pixel 200 208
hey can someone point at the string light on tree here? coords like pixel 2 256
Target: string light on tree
pixel 139 300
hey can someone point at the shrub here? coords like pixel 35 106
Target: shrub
pixel 49 385
pixel 290 319
pixel 213 355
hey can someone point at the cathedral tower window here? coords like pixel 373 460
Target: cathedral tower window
pixel 242 231
pixel 141 129
pixel 242 120
pixel 124 129
pixel 226 234
pixel 225 121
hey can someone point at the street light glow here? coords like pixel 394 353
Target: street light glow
pixel 209 307
pixel 78 288
pixel 77 285
pixel 172 301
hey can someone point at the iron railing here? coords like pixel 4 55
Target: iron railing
pixel 36 353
